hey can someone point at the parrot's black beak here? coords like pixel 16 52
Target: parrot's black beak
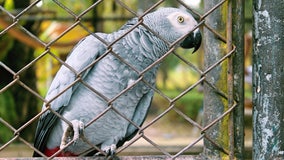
pixel 193 40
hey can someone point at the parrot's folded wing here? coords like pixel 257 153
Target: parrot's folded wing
pixel 83 54
pixel 138 117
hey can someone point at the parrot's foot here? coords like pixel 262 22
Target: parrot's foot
pixel 110 150
pixel 72 133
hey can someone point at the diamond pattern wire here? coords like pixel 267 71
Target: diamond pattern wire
pixel 14 24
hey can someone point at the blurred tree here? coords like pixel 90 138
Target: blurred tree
pixel 17 104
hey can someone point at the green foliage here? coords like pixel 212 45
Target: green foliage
pixel 7 113
pixel 5 45
pixel 9 5
pixel 190 104
pixel 74 6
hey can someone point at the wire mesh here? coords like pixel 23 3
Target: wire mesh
pixel 11 22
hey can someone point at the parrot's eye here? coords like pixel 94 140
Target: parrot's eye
pixel 180 19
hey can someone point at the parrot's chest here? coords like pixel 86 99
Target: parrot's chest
pixel 112 76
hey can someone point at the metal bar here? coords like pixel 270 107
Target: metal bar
pixel 151 9
pixel 219 61
pixel 218 118
pixel 218 35
pixel 216 145
pixel 9 142
pixel 63 91
pixel 87 10
pixel 188 63
pixel 59 115
pixel 23 126
pixel 124 116
pixel 94 147
pixel 62 34
pixel 187 7
pixel 106 99
pixel 31 146
pixel 156 146
pixel 157 90
pixel 98 116
pixel 7 28
pixel 125 90
pixel 238 25
pixel 30 90
pixel 38 42
pixel 188 146
pixel 126 7
pixel 25 10
pixel 11 128
pixel 188 118
pixel 32 63
pixel 158 117
pixel 136 138
pixel 157 61
pixel 124 34
pixel 7 12
pixel 214 8
pixel 9 85
pixel 188 89
pixel 65 8
pixel 62 62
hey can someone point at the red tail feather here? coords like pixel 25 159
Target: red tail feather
pixel 50 152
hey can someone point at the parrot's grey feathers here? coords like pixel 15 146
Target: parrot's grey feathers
pixel 138 117
pixel 45 125
pixel 65 77
pixel 79 58
pixel 112 85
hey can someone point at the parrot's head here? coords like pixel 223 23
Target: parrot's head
pixel 172 24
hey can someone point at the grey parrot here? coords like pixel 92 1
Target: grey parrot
pixel 106 86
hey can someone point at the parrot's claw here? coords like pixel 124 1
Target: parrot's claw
pixel 73 132
pixel 110 150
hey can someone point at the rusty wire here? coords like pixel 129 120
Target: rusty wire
pixel 171 101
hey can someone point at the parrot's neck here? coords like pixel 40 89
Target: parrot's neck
pixel 154 47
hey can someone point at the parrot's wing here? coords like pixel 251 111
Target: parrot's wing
pixel 138 117
pixel 83 54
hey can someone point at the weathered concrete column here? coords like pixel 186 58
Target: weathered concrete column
pixel 268 79
pixel 217 136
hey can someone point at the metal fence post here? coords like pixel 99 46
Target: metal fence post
pixel 214 104
pixel 238 71
pixel 268 79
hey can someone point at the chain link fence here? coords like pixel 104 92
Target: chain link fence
pixel 210 128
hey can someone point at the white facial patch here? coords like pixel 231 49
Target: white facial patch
pixel 182 22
